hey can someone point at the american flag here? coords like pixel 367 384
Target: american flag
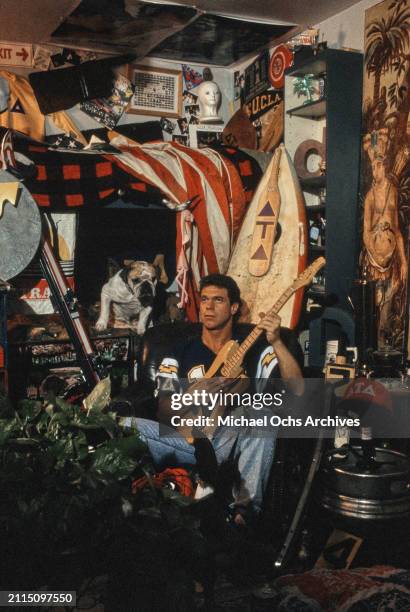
pixel 205 234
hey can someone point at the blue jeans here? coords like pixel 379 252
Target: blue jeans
pixel 254 455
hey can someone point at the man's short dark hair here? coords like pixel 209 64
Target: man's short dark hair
pixel 221 280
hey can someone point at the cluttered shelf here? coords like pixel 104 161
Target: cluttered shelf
pixel 35 359
pixel 44 338
pixel 316 293
pixel 314 66
pixel 313 183
pixel 315 208
pixel 314 110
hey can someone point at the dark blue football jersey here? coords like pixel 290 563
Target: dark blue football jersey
pixel 190 360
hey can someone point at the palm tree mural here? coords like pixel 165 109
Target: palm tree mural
pixel 387 40
pixel 386 163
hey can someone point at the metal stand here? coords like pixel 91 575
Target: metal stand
pixel 65 303
pixel 4 289
pixel 296 525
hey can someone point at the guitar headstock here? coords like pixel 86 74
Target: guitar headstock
pixel 307 275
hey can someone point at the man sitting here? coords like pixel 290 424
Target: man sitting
pixel 219 306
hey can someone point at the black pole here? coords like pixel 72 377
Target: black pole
pixel 405 344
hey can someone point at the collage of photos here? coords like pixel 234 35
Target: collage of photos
pixel 190 117
pixel 182 129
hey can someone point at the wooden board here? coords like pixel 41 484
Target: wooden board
pixel 33 22
pixel 340 550
pixel 264 231
pixel 289 253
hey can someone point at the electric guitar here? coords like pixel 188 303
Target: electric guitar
pixel 229 360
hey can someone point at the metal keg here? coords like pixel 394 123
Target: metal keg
pixel 381 493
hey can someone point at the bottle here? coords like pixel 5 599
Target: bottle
pixel 314 233
pixel 317 231
pixel 367 462
pixel 322 221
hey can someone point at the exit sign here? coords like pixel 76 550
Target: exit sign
pixel 13 54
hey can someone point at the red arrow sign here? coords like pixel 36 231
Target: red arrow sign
pixel 23 54
pixel 15 54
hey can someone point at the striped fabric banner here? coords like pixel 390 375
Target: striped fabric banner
pixel 205 234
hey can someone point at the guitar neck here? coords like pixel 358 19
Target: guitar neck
pixel 250 340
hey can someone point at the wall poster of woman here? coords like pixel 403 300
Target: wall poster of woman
pixel 385 165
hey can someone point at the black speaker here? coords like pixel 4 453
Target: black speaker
pixel 60 89
pixel 363 299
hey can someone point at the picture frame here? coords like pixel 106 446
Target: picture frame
pixel 158 91
pixel 203 135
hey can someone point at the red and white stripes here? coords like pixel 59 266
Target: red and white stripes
pixel 205 234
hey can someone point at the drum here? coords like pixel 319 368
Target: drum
pixel 20 226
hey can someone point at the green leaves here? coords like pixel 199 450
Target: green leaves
pixel 66 479
pixel 109 462
pixel 304 86
pixel 48 450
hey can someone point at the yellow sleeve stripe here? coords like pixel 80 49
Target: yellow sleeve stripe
pixel 167 369
pixel 268 358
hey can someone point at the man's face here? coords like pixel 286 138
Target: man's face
pixel 215 309
pixel 379 171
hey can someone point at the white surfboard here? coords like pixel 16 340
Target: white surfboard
pixel 289 252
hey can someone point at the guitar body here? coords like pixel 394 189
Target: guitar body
pixel 226 352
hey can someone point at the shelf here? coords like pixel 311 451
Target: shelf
pixel 75 364
pixel 315 66
pixel 314 183
pixel 314 110
pixel 342 71
pixel 114 334
pixel 314 291
pixel 318 208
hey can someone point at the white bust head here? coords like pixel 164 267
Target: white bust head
pixel 209 97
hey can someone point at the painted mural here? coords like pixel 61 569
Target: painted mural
pixel 385 165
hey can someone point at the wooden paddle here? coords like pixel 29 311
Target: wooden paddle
pixel 264 232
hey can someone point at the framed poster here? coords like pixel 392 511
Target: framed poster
pixel 158 91
pixel 202 135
